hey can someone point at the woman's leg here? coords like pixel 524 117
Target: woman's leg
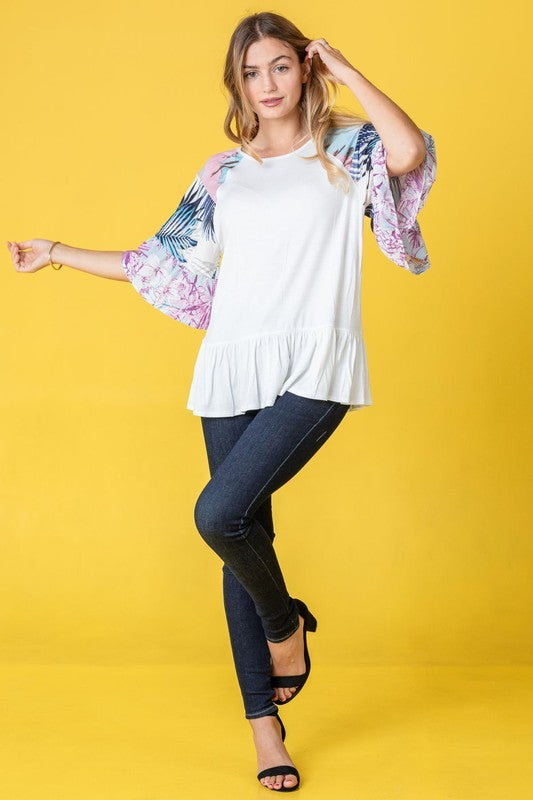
pixel 247 637
pixel 274 446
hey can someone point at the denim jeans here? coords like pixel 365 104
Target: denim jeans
pixel 250 456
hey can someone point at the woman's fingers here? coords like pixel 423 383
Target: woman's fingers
pixel 15 254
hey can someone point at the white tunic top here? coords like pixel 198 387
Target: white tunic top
pixel 286 313
pixel 277 249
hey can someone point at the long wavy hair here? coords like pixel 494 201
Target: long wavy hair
pixel 316 106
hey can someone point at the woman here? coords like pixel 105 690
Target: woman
pixel 283 358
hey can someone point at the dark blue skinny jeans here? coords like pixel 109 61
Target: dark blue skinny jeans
pixel 250 456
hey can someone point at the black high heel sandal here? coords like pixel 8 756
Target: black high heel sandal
pixel 283 769
pixel 310 624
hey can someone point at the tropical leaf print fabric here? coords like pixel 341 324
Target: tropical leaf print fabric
pixel 176 270
pixel 392 202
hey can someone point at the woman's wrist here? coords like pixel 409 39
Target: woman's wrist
pixel 52 254
pixel 105 263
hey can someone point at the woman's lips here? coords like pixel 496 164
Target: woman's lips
pixel 272 102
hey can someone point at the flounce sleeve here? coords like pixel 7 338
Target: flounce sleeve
pixel 393 202
pixel 176 270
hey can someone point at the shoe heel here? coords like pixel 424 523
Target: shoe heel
pixel 309 620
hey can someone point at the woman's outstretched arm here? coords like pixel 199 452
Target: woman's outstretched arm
pixel 32 255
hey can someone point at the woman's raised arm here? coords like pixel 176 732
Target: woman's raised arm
pixel 33 254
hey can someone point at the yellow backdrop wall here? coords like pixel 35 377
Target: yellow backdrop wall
pixel 409 534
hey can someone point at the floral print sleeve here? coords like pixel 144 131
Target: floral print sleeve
pixel 393 202
pixel 176 270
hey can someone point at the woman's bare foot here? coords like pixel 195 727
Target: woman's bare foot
pixel 287 658
pixel 271 751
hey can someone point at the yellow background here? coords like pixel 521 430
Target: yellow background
pixel 409 534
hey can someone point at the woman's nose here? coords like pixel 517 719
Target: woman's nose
pixel 269 84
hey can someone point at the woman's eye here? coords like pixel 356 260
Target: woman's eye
pixel 280 66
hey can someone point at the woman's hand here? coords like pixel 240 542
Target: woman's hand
pixel 31 255
pixel 337 66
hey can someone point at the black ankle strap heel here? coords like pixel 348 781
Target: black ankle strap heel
pixel 284 681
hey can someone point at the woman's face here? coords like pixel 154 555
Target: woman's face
pixel 272 71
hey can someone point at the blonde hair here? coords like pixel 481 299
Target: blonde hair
pixel 316 106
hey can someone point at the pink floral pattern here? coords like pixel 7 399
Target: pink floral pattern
pixel 393 202
pixel 176 270
pixel 396 202
pixel 181 294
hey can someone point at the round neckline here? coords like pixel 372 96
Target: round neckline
pixel 283 155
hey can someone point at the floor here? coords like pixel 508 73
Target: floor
pixel 145 732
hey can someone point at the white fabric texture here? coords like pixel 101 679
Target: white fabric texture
pixel 286 312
